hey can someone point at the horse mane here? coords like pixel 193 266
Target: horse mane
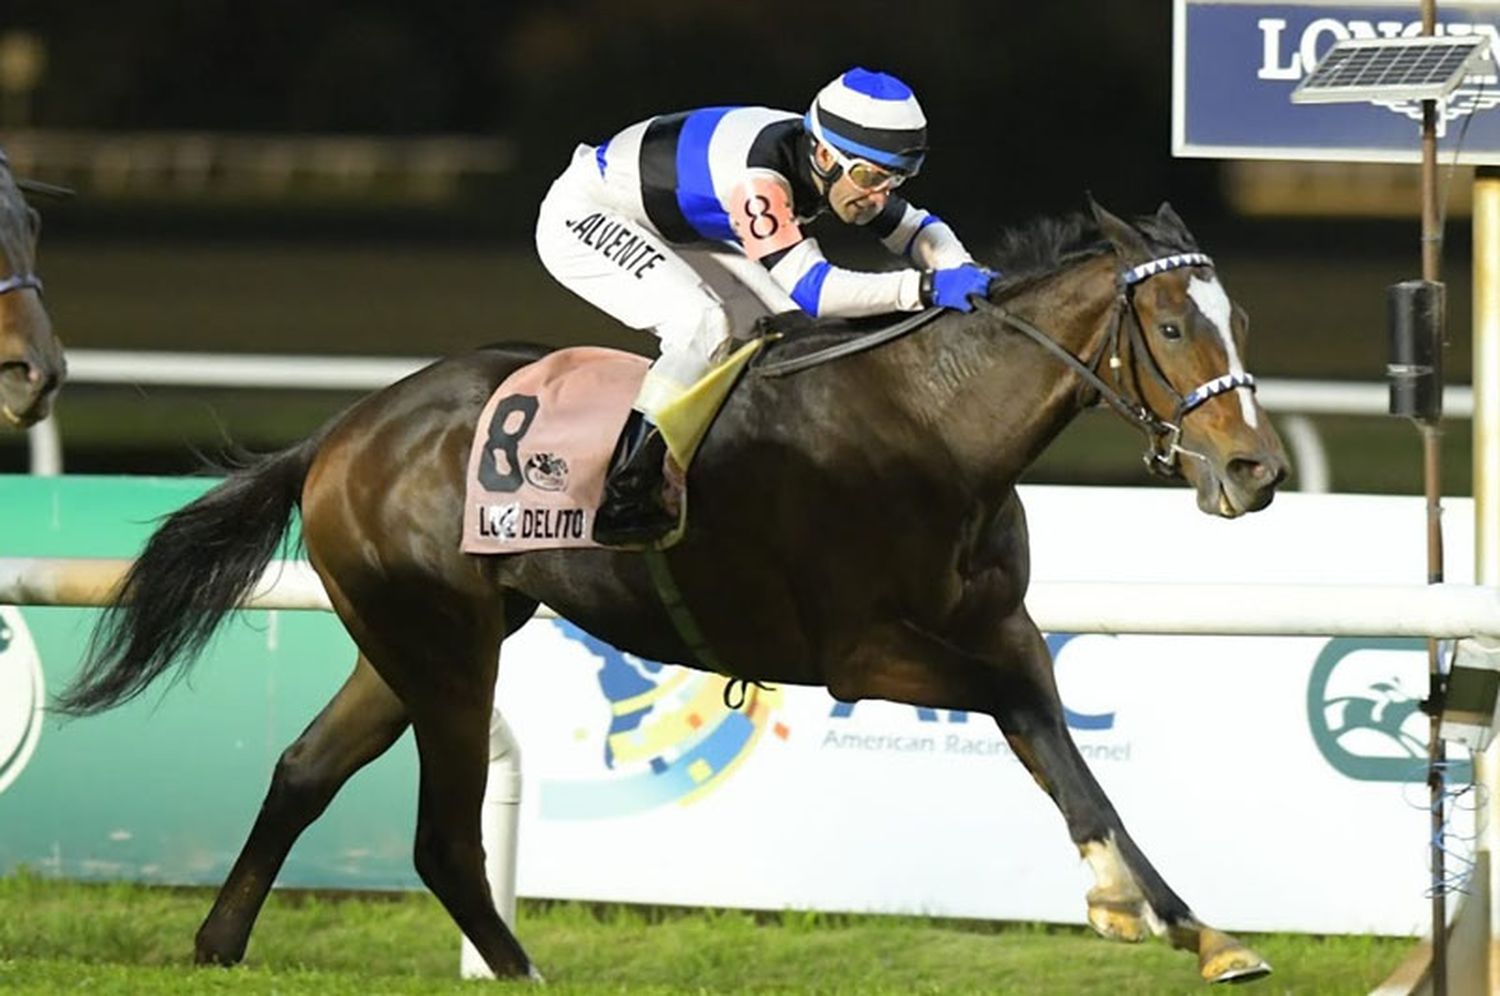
pixel 1045 245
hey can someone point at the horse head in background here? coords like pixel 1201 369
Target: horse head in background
pixel 32 367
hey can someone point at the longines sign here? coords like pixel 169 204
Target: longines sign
pixel 1235 63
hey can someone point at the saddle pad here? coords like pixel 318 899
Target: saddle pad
pixel 542 449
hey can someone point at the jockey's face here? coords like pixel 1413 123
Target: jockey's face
pixel 851 203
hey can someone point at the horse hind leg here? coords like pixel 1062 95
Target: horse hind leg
pixel 438 648
pixel 359 724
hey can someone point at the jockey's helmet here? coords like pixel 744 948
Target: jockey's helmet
pixel 872 117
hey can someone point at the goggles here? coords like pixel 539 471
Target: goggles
pixel 864 174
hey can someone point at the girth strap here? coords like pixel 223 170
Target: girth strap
pixel 687 627
pixel 678 611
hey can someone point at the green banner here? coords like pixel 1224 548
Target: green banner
pixel 165 789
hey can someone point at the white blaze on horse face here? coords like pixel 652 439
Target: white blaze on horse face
pixel 1211 300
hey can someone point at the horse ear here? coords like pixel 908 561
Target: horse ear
pixel 1126 240
pixel 1170 220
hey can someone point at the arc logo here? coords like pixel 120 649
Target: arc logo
pixel 1092 721
pixel 670 737
pixel 22 696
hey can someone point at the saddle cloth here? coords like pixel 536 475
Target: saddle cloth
pixel 544 440
pixel 542 449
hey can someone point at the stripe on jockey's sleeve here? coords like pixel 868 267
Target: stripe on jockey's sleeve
pixel 695 182
pixel 809 290
pixel 911 243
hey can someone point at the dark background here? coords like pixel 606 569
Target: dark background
pixel 1029 106
pixel 1029 103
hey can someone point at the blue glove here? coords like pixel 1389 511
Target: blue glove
pixel 952 288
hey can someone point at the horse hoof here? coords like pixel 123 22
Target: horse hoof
pixel 216 959
pixel 1221 958
pixel 1120 921
pixel 211 950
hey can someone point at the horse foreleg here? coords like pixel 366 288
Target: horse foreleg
pixel 361 721
pixel 1007 672
pixel 1129 896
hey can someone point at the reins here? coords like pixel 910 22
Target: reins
pixel 1130 411
pixel 857 345
pixel 1163 436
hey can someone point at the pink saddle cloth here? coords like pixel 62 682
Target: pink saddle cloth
pixel 542 449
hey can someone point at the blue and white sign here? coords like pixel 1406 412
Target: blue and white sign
pixel 1236 62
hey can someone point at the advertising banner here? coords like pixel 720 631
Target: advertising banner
pixel 1236 62
pixel 1276 783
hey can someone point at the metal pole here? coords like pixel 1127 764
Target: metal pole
pixel 1432 450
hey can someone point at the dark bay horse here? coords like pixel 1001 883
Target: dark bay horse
pixel 31 359
pixel 855 525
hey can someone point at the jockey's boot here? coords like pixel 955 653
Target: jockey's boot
pixel 637 509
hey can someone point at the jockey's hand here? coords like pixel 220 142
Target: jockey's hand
pixel 952 288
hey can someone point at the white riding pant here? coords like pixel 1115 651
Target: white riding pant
pixel 692 297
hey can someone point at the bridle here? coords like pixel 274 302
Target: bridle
pixel 24 279
pixel 1163 436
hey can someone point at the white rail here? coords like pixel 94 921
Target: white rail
pixel 1443 610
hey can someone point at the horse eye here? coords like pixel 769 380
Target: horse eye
pixel 1171 330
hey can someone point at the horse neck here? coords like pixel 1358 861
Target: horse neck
pixel 993 397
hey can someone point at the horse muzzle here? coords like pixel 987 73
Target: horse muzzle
pixel 1246 483
pixel 27 391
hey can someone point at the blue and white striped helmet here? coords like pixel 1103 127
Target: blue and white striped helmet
pixel 872 116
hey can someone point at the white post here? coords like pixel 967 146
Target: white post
pixel 500 817
pixel 46 447
pixel 1486 361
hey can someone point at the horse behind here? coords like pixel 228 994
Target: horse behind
pixel 855 525
pixel 31 359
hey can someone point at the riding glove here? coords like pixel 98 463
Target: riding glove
pixel 952 288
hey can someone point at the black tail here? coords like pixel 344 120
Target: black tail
pixel 196 568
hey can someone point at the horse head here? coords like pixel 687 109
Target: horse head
pixel 1177 350
pixel 32 367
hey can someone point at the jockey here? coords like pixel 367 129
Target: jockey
pixel 691 225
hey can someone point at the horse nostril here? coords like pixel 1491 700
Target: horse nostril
pixel 1257 473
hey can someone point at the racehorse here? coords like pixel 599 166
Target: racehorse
pixel 855 525
pixel 32 367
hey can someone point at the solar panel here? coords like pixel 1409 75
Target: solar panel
pixel 1422 68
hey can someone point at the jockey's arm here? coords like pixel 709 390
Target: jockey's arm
pixel 767 228
pixel 919 235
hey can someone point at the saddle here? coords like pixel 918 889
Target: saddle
pixel 544 440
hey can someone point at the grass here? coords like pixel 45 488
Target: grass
pixel 57 936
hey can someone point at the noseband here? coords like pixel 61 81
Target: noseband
pixel 1163 436
pixel 26 279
